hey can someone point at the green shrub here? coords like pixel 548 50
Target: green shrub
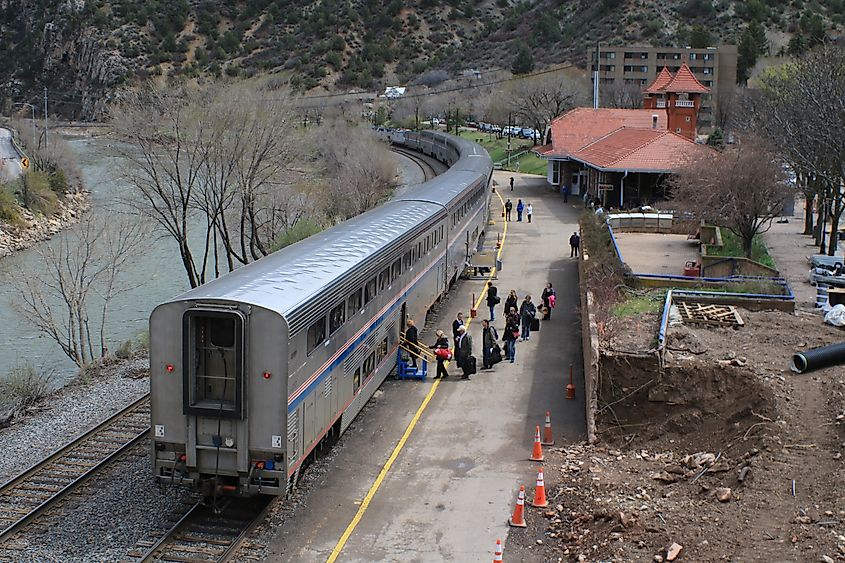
pixel 58 182
pixel 37 195
pixel 10 210
pixel 300 231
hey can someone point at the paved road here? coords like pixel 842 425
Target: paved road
pixel 9 158
pixel 451 488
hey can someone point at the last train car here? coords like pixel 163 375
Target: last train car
pixel 251 371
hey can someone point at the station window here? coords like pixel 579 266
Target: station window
pixel 355 303
pixel 384 279
pixel 316 334
pixel 396 269
pixel 336 318
pixel 370 291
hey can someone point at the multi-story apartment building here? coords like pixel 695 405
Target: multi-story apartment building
pixel 637 66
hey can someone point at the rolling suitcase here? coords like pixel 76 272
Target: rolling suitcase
pixel 470 367
pixel 535 325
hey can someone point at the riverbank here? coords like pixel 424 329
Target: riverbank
pixel 37 229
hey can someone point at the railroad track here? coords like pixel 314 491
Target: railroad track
pixel 205 535
pixel 25 497
pixel 428 170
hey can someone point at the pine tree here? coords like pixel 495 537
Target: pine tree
pixel 752 44
pixel 524 61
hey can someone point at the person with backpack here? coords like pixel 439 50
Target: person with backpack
pixel 549 298
pixel 527 313
pixel 443 354
pixel 493 299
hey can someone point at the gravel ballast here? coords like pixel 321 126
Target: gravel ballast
pixel 68 413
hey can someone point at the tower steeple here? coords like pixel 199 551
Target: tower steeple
pixel 680 96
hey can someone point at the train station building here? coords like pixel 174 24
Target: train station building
pixel 622 156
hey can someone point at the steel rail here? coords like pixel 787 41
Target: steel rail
pixel 414 156
pixel 71 476
pixel 205 542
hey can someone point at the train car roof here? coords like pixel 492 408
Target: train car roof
pixel 288 277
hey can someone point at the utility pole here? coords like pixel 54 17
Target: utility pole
pixel 596 79
pixel 46 130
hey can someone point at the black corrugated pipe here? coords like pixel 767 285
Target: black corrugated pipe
pixel 818 358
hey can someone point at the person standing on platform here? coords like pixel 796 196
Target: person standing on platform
pixel 527 313
pixel 492 299
pixel 464 349
pixel 442 343
pixel 456 324
pixel 520 207
pixel 512 302
pixel 549 298
pixel 488 341
pixel 511 183
pixel 508 207
pixel 574 243
pixel 511 334
pixel 529 211
pixel 565 193
pixel 412 341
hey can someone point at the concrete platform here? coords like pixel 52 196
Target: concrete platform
pixel 452 486
pixel 655 253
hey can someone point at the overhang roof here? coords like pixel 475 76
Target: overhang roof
pixel 581 126
pixel 640 150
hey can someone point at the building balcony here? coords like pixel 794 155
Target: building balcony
pixel 684 104
pixel 661 104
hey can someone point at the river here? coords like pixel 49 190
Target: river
pixel 154 276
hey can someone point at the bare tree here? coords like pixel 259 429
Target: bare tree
pixel 218 160
pixel 624 95
pixel 360 170
pixel 800 108
pixel 741 189
pixel 537 101
pixel 70 301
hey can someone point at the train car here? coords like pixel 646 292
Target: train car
pixel 251 371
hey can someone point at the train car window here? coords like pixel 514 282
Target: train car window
pixel 384 279
pixel 419 250
pixel 407 260
pixel 382 350
pixel 370 291
pixel 337 318
pixel 369 364
pixel 213 363
pixel 441 232
pixel 356 380
pixel 316 334
pixel 355 303
pixel 396 269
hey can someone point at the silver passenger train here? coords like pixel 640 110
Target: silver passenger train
pixel 252 371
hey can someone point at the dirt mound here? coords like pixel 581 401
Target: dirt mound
pixel 723 451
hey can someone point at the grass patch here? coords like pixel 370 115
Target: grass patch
pixel 530 163
pixel 498 148
pixel 10 210
pixel 761 287
pixel 25 386
pixel 732 247
pixel 652 302
pixel 37 194
pixel 302 230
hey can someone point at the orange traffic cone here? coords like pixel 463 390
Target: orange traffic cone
pixel 537 452
pixel 548 437
pixel 518 518
pixel 540 492
pixel 497 555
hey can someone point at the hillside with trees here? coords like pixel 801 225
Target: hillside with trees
pixel 87 50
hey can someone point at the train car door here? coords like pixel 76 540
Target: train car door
pixel 309 416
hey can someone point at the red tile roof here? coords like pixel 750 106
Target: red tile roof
pixel 685 81
pixel 662 79
pixel 581 126
pixel 640 150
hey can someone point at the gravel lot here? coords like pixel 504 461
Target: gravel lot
pixel 68 413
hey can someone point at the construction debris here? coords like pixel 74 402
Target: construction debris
pixel 715 315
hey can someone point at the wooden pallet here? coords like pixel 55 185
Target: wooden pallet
pixel 714 315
